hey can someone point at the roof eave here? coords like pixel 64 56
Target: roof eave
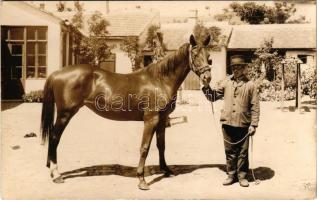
pixel 54 17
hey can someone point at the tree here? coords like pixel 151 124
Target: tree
pixel 267 57
pixel 201 32
pixel 227 15
pixel 151 35
pixel 60 6
pixel 77 19
pixel 280 13
pixel 131 46
pixel 77 22
pixel 92 49
pixel 249 12
pixel 78 6
pixel 254 13
pixel 153 42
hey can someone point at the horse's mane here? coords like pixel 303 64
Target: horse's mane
pixel 169 63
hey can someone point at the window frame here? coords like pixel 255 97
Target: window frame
pixel 25 41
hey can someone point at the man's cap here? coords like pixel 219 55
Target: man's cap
pixel 237 60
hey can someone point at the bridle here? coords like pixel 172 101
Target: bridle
pixel 192 66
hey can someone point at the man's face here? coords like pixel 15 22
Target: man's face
pixel 238 70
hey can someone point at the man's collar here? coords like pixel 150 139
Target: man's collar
pixel 242 78
pixel 241 81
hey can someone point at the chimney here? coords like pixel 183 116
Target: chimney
pixel 42 6
pixel 193 19
pixel 107 7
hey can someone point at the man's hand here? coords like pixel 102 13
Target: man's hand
pixel 252 130
pixel 205 85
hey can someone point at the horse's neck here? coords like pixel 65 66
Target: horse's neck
pixel 180 74
pixel 177 77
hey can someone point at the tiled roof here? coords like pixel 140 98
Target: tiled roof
pixel 287 36
pixel 176 34
pixel 122 23
pixel 129 23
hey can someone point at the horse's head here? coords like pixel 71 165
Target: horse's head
pixel 199 61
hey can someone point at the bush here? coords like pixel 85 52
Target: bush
pixel 309 82
pixel 33 96
pixel 271 91
pixel 313 90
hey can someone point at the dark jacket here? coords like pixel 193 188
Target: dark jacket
pixel 241 102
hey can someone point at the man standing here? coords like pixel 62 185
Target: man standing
pixel 239 118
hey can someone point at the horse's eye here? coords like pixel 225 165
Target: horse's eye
pixel 209 61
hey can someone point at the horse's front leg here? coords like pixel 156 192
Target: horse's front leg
pixel 150 123
pixel 160 143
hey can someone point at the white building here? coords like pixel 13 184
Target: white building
pixel 34 43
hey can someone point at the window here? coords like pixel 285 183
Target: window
pixel 28 46
pixel 307 59
pixel 303 58
pixel 17 60
pixel 16 33
pixel 36 50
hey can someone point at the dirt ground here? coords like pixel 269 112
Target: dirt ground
pixel 98 157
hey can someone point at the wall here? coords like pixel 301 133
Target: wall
pixel 18 14
pixel 219 62
pixel 311 60
pixel 123 63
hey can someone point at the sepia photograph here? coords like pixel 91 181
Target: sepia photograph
pixel 158 100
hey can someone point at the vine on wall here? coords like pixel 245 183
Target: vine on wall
pixel 153 42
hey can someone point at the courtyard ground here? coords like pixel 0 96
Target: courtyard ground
pixel 98 157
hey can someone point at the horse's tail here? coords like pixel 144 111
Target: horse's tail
pixel 48 110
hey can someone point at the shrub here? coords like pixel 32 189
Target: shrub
pixel 313 85
pixel 33 96
pixel 309 82
pixel 271 91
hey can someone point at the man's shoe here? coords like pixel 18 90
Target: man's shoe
pixel 229 181
pixel 244 182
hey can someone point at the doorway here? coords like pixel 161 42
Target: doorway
pixel 12 82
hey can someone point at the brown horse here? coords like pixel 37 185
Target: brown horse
pixel 147 95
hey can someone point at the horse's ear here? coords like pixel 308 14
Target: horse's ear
pixel 192 40
pixel 207 40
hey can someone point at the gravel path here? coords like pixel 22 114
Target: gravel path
pixel 99 156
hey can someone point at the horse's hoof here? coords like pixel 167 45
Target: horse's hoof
pixel 143 186
pixel 168 174
pixel 58 180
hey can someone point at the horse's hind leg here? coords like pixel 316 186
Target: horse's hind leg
pixel 160 143
pixel 63 117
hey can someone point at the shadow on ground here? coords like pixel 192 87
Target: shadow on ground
pixel 10 105
pixel 261 173
pixel 312 104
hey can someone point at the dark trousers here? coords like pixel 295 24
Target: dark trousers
pixel 236 154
